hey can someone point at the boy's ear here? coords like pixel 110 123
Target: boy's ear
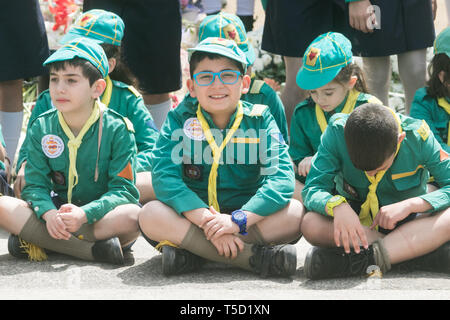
pixel 401 136
pixel 190 86
pixel 352 82
pixel 246 81
pixel 98 87
pixel 112 62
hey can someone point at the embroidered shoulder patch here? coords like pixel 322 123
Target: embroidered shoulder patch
pixel 424 130
pixel 256 87
pixel 258 110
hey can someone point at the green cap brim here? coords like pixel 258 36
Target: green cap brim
pixel 310 80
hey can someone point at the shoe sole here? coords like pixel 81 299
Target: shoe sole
pixel 14 248
pixel 308 265
pixel 168 257
pixel 117 255
pixel 290 260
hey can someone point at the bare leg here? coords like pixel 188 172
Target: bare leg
pixel 298 191
pixel 145 187
pixel 377 71
pixel 412 67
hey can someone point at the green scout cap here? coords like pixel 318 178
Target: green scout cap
pixel 323 59
pixel 442 42
pixel 99 25
pixel 227 26
pixel 83 48
pixel 222 47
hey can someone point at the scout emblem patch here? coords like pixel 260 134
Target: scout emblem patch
pixel 85 19
pixel 52 145
pixel 193 129
pixel 424 130
pixel 192 172
pixel 312 56
pixel 231 33
pixel 58 178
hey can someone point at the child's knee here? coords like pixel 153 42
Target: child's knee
pixel 151 214
pixel 311 226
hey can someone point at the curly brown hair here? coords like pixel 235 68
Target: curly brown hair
pixel 435 87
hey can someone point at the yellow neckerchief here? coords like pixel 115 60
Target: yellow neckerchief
pixel 74 144
pixel 371 204
pixel 444 104
pixel 106 97
pixel 217 151
pixel 348 108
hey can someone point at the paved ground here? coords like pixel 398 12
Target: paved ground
pixel 62 277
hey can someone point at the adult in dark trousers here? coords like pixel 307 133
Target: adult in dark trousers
pixel 381 29
pixel 24 49
pixel 151 47
pixel 289 27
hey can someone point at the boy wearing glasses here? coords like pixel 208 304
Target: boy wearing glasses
pixel 222 175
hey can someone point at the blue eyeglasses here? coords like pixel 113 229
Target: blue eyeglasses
pixel 205 78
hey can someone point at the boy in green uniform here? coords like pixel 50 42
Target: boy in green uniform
pixel 229 26
pixel 106 28
pixel 432 103
pixel 86 154
pixel 218 157
pixel 367 182
pixel 336 85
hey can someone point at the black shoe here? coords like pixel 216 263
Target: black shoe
pixel 280 260
pixel 108 251
pixel 325 263
pixel 15 247
pixel 435 261
pixel 179 261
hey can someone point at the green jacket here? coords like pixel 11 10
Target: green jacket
pixel 48 165
pixel 426 108
pixel 126 101
pixel 305 130
pixel 261 93
pixel 419 155
pixel 255 173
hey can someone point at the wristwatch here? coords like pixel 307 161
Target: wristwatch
pixel 240 218
pixel 334 201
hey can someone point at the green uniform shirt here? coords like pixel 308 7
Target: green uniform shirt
pixel 419 155
pixel 126 101
pixel 47 166
pixel 426 108
pixel 181 163
pixel 305 130
pixel 261 93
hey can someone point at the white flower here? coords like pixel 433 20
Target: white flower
pixel 277 59
pixel 258 65
pixel 266 59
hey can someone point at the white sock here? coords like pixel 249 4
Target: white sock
pixel 159 112
pixel 11 128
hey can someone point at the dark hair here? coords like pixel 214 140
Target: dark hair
pixel 87 69
pixel 199 56
pixel 121 72
pixel 435 88
pixel 371 135
pixel 350 70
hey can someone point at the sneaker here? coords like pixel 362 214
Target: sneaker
pixel 280 260
pixel 108 251
pixel 179 261
pixel 435 261
pixel 15 248
pixel 325 263
pixel 21 249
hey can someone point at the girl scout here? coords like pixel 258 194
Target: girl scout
pixel 217 157
pixel 107 29
pixel 74 153
pixel 336 84
pixel 432 103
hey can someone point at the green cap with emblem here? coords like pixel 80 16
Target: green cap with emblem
pixel 100 25
pixel 83 48
pixel 323 60
pixel 442 42
pixel 227 26
pixel 222 47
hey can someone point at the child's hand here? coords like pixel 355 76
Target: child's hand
pixel 388 216
pixel 218 224
pixel 348 228
pixel 228 245
pixel 72 216
pixel 55 226
pixel 304 166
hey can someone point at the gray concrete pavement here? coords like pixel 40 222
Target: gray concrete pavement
pixel 62 277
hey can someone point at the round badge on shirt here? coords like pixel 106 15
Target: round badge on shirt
pixel 52 145
pixel 193 129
